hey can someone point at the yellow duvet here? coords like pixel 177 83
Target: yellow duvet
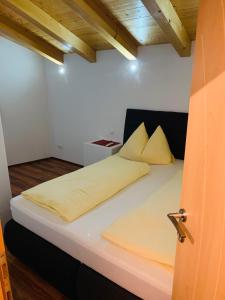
pixel 146 230
pixel 74 194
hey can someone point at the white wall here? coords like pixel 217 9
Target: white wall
pixel 5 193
pixel 90 100
pixel 23 103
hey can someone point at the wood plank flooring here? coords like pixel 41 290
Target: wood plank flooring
pixel 27 175
pixel 26 285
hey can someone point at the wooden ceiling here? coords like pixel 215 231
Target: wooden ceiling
pixel 56 27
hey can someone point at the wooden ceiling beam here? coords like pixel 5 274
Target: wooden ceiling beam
pixel 113 32
pixel 18 34
pixel 166 16
pixel 46 23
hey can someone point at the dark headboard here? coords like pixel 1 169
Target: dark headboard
pixel 174 125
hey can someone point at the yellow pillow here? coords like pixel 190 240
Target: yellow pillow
pixel 157 150
pixel 133 148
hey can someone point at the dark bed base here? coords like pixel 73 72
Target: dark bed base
pixel 68 275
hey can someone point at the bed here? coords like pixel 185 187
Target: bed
pixel 73 255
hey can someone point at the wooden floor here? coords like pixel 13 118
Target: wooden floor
pixel 27 175
pixel 25 284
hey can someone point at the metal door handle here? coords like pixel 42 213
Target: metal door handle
pixel 182 217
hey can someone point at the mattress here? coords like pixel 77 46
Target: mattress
pixel 82 238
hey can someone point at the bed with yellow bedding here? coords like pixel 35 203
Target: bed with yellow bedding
pixel 146 230
pixel 67 248
pixel 74 194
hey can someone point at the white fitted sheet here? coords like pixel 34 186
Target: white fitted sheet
pixel 82 238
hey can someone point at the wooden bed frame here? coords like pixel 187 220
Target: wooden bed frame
pixel 68 275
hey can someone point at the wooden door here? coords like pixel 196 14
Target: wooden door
pixel 200 261
pixel 5 288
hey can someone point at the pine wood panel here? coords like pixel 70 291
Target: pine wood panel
pixel 130 13
pixel 10 30
pixel 6 12
pixel 110 29
pixel 188 13
pixel 167 18
pixel 199 270
pixel 37 16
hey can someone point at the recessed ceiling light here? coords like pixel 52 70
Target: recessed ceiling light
pixel 67 47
